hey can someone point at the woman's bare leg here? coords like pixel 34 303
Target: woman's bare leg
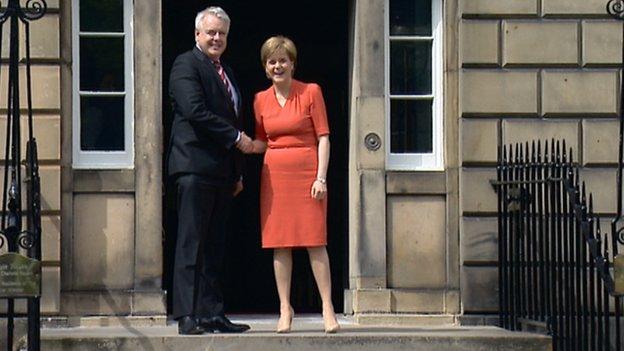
pixel 320 267
pixel 282 265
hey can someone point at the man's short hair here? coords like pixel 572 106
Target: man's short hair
pixel 213 11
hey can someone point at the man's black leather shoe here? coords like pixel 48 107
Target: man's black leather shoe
pixel 189 326
pixel 221 324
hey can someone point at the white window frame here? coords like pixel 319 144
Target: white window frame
pixel 104 159
pixel 433 161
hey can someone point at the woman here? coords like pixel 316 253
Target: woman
pixel 292 122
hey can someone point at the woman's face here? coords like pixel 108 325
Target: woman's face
pixel 279 67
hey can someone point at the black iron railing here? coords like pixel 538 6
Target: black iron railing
pixel 554 258
pixel 23 245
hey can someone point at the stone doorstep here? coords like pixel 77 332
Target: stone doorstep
pixel 307 334
pixel 398 319
pixel 533 326
pixel 103 321
pixel 118 321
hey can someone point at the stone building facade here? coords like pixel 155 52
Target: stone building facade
pixel 532 70
pixel 421 236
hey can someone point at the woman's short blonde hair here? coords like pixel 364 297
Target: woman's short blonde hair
pixel 278 42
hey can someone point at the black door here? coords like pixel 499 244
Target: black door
pixel 319 28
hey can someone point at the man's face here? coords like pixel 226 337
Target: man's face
pixel 212 36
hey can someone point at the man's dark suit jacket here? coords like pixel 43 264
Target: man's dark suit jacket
pixel 205 125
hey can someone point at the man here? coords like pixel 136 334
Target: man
pixel 206 164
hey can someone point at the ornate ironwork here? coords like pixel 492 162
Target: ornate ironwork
pixel 26 240
pixel 32 10
pixel 615 8
pixel 13 236
pixel 620 236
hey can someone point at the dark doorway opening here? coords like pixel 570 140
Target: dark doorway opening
pixel 320 29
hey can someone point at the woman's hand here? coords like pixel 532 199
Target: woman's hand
pixel 319 189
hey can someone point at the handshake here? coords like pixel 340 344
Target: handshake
pixel 245 144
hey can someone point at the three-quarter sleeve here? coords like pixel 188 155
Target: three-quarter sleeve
pixel 318 111
pixel 260 132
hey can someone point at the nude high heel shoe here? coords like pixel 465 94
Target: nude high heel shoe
pixel 284 324
pixel 331 323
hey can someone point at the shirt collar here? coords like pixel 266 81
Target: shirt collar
pixel 208 57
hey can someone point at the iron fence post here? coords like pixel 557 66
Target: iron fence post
pixel 11 233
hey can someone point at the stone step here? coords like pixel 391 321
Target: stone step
pixel 307 335
pixel 406 319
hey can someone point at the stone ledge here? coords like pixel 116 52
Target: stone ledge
pixel 118 321
pixel 306 338
pixel 56 322
pixel 368 300
pixel 306 335
pixel 407 319
pixel 478 320
pixel 416 183
pixel 113 303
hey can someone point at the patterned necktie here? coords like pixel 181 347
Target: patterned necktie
pixel 223 78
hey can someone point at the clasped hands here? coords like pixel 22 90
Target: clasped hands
pixel 245 144
pixel 248 146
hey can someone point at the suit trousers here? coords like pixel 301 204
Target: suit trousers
pixel 203 209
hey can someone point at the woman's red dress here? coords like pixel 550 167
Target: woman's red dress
pixel 289 216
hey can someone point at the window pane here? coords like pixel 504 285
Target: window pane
pixel 410 17
pixel 101 123
pixel 411 129
pixel 102 64
pixel 101 15
pixel 410 68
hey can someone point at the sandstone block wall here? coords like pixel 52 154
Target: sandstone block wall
pixel 531 69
